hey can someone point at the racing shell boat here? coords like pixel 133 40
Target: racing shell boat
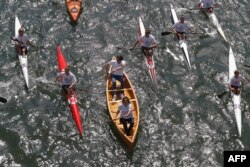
pixel 22 58
pixel 72 97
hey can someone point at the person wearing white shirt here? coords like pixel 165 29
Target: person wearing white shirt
pixel 117 65
pixel 208 5
pixel 125 114
pixel 147 43
pixel 68 80
pixel 22 42
pixel 180 28
pixel 235 82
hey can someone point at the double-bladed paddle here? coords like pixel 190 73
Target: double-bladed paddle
pixel 170 32
pixel 3 100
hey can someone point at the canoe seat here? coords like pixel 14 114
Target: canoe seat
pixel 120 89
pixel 116 101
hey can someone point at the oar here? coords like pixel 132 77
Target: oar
pixel 169 32
pixel 222 94
pixel 225 92
pixel 56 84
pixel 108 72
pixel 3 100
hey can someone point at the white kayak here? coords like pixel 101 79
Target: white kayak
pixel 150 60
pixel 22 58
pixel 182 44
pixel 235 98
pixel 212 17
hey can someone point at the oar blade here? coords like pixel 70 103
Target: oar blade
pixel 3 100
pixel 222 94
pixel 166 33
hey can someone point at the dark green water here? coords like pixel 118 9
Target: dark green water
pixel 183 123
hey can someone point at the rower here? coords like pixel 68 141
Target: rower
pixel 147 43
pixel 180 28
pixel 22 41
pixel 235 82
pixel 208 5
pixel 68 81
pixel 117 65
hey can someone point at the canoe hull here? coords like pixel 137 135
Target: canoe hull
pixel 113 107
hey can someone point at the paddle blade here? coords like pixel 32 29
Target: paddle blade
pixel 222 94
pixel 166 33
pixel 12 38
pixel 3 100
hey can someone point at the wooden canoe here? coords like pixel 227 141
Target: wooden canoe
pixel 113 107
pixel 74 9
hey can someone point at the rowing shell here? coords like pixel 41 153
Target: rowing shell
pixel 235 98
pixel 182 44
pixel 22 58
pixel 72 98
pixel 150 60
pixel 212 17
pixel 113 107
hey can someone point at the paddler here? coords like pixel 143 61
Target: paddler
pixel 68 80
pixel 21 42
pixel 115 68
pixel 125 114
pixel 180 28
pixel 235 82
pixel 208 5
pixel 147 43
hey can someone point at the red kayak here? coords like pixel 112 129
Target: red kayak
pixel 72 98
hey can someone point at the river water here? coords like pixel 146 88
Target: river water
pixel 182 122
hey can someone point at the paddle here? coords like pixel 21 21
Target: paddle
pixel 108 70
pixel 222 94
pixel 247 62
pixel 3 100
pixel 56 84
pixel 169 32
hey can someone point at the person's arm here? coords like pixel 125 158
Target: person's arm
pixel 133 46
pixel 153 46
pixel 229 85
pixel 118 114
pixel 59 77
pixel 121 67
pixel 245 80
pixel 130 110
pixel 173 29
pixel 74 82
pixel 29 43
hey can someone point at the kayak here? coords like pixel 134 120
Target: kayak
pixel 212 17
pixel 23 59
pixel 71 98
pixel 235 98
pixel 113 107
pixel 74 9
pixel 149 60
pixel 182 43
